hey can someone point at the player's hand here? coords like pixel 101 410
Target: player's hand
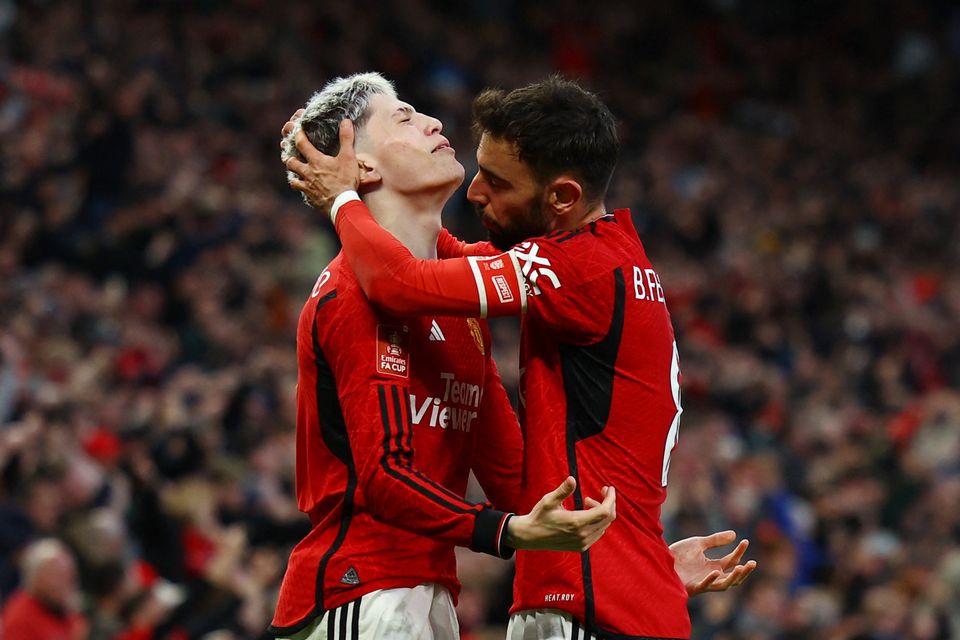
pixel 288 127
pixel 551 526
pixel 321 178
pixel 699 573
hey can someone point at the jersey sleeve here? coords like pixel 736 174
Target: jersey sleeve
pixel 375 414
pixel 563 295
pixel 497 455
pixel 396 281
pixel 450 246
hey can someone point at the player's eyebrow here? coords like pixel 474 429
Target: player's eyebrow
pixel 405 110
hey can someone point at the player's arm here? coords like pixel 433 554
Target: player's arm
pixel 497 454
pixel 398 493
pixel 395 280
pixel 394 489
pixel 450 246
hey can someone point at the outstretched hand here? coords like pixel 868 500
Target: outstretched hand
pixel 319 177
pixel 551 526
pixel 700 573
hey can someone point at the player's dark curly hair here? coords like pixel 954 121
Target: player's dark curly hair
pixel 557 127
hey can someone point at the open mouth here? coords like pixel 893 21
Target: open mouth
pixel 443 145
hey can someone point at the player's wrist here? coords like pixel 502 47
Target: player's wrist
pixel 515 533
pixel 490 533
pixel 345 196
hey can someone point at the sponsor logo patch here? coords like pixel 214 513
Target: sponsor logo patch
pixel 393 350
pixel 535 268
pixel 503 289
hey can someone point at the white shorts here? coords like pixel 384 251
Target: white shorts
pixel 424 612
pixel 545 624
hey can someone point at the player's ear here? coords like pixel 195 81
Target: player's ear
pixel 368 170
pixel 564 194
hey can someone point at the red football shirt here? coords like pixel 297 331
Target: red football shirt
pixel 24 616
pixel 392 413
pixel 600 397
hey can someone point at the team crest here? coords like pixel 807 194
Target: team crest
pixel 476 333
pixel 393 351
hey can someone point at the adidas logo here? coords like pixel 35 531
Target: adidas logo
pixel 435 334
pixel 350 577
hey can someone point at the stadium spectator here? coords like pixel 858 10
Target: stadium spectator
pixel 45 607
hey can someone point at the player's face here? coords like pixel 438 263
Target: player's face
pixel 508 197
pixel 407 149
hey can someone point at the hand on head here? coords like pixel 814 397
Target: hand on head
pixel 319 177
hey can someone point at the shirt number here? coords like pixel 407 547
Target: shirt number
pixel 674 432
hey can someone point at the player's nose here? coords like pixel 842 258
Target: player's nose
pixel 433 126
pixel 475 192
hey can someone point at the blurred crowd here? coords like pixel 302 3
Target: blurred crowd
pixel 794 170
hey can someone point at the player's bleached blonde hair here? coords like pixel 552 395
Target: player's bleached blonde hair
pixel 341 98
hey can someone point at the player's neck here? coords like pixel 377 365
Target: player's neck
pixel 414 221
pixel 581 218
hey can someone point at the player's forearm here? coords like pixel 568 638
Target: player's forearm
pixel 498 446
pixel 395 280
pixel 449 246
pixel 398 493
pixel 412 502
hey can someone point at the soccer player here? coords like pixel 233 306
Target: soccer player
pixel 600 386
pixel 393 412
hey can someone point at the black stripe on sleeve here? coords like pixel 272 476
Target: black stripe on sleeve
pixel 487 531
pixel 402 454
pixel 388 434
pixel 402 418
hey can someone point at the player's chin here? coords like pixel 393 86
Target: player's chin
pixel 448 177
pixel 451 168
pixel 500 240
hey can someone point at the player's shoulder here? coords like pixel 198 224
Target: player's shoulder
pixel 577 256
pixel 336 290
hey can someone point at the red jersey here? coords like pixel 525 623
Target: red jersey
pixel 24 616
pixel 600 399
pixel 392 413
